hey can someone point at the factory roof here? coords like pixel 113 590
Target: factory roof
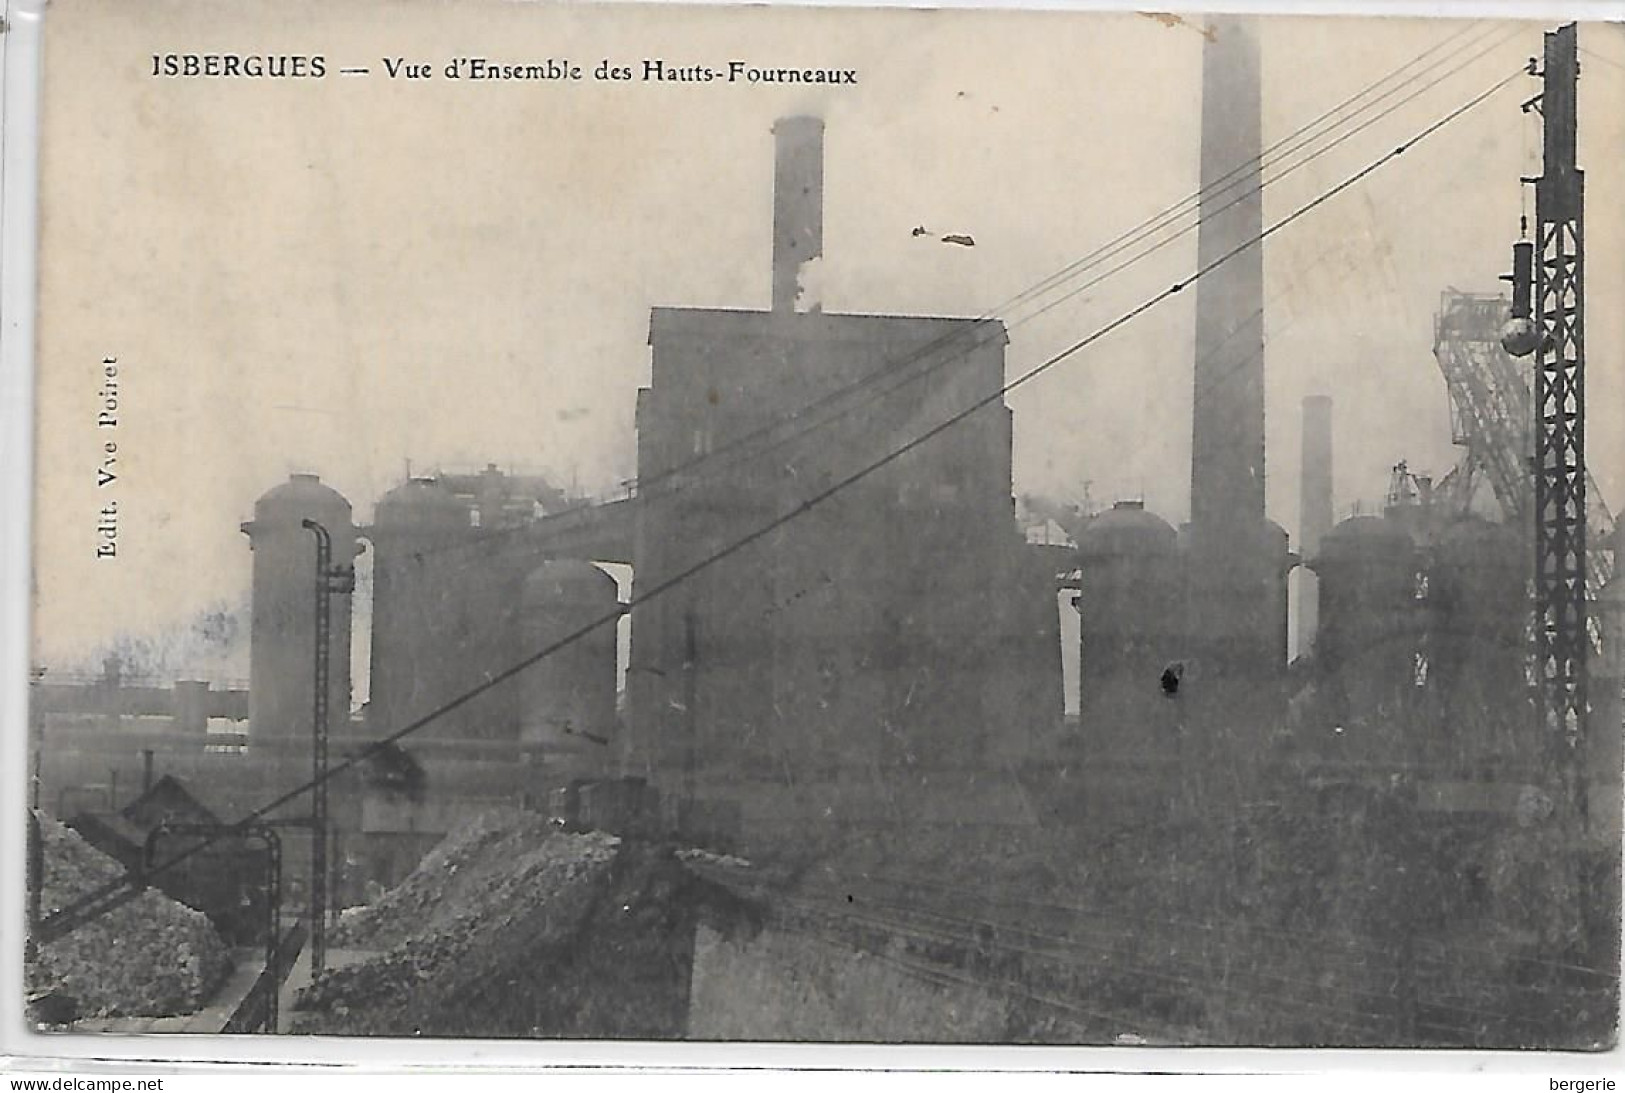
pixel 679 322
pixel 123 834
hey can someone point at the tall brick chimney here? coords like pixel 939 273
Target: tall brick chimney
pixel 1227 457
pixel 798 205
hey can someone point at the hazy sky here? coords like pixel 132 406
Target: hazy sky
pixel 342 274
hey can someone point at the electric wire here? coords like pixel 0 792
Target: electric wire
pixel 1221 185
pixel 907 380
pixel 1117 245
pixel 1609 61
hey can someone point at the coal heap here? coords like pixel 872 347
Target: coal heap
pixel 151 957
pixel 512 928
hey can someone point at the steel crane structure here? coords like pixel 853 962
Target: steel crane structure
pixel 1490 410
pixel 1492 416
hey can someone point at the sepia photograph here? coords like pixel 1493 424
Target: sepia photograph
pixel 830 525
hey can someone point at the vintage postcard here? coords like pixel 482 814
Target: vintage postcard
pixel 618 522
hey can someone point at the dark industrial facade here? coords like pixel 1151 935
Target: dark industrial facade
pixel 896 629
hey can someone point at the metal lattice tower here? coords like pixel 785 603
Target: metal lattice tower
pixel 1559 465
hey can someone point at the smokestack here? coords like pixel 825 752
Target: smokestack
pixel 1314 510
pixel 798 206
pixel 191 698
pixel 1236 561
pixel 1227 456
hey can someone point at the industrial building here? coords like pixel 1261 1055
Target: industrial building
pixel 896 630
